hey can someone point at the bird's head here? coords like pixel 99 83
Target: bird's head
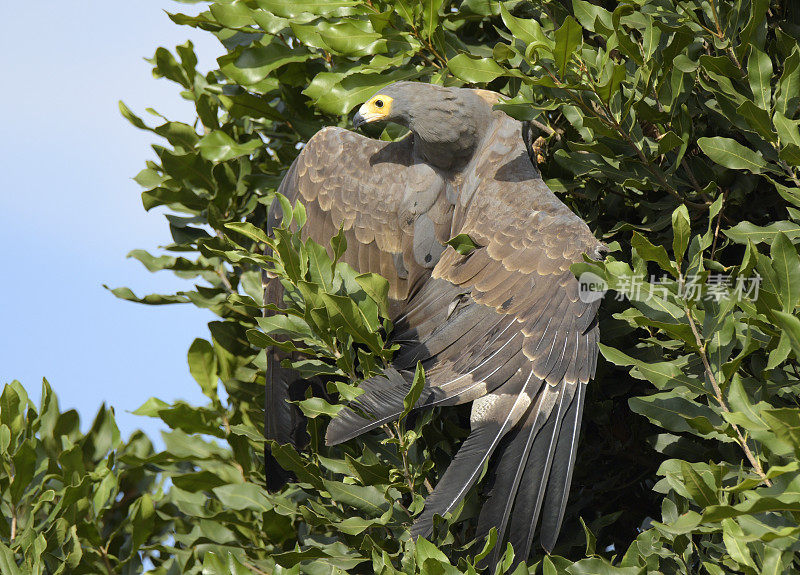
pixel 407 104
pixel 446 121
pixel 376 109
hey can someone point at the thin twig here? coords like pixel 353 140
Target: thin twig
pixel 693 180
pixel 720 399
pixel 402 448
pixel 719 221
pixel 104 553
pixel 224 278
pixel 789 172
pixel 721 35
pixel 254 568
pixel 543 127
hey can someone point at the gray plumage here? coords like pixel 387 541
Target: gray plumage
pixel 502 327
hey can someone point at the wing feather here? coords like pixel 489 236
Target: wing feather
pixel 527 242
pixel 356 184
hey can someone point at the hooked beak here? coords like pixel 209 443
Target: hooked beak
pixel 365 116
pixel 359 120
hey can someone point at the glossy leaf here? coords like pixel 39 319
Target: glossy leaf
pixel 731 154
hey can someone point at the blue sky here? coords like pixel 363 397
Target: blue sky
pixel 70 211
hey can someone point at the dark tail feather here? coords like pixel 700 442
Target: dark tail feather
pixel 561 472
pixel 500 413
pixel 283 422
pixel 528 503
pixel 509 471
pixel 463 472
pixel 278 416
pixel 381 402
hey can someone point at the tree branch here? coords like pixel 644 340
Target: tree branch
pixel 720 399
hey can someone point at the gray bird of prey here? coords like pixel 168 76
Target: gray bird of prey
pixel 502 327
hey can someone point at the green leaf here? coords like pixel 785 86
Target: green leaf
pixel 414 393
pixel 131 117
pixel 143 518
pixel 249 230
pixel 8 561
pixel 788 130
pixel 12 404
pixel 214 564
pixel 589 15
pixel 677 413
pixel 430 16
pixel 790 325
pixel 252 65
pixel 758 119
pixel 343 312
pixel 745 232
pixel 591 539
pixel 368 499
pixel 759 74
pixel 786 264
pixel 669 142
pixel 316 406
pixel 599 566
pixel 291 460
pixel 203 366
pixel 336 93
pixel 772 563
pixel 653 253
pixel 463 244
pixel 733 538
pixel 790 153
pixel 731 154
pixel 681 231
pixel 355 525
pixel 785 422
pixel 351 38
pixel 408 10
pixel 606 90
pixel 295 8
pixel 5 439
pixel 475 70
pixel 426 550
pixel 650 38
pixel 789 85
pixel 568 37
pixel 220 147
pixel 239 496
pixel 527 30
pixel 320 266
pixel 719 513
pixel 702 493
pixel 377 288
pixel 372 474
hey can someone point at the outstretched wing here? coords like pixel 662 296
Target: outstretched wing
pixel 394 216
pixel 529 241
pixel 504 327
pixel 390 205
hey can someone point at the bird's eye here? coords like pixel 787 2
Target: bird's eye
pixel 379 103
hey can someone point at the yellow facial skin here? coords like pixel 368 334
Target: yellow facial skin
pixel 376 108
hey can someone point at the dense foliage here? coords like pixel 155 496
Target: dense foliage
pixel 671 126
